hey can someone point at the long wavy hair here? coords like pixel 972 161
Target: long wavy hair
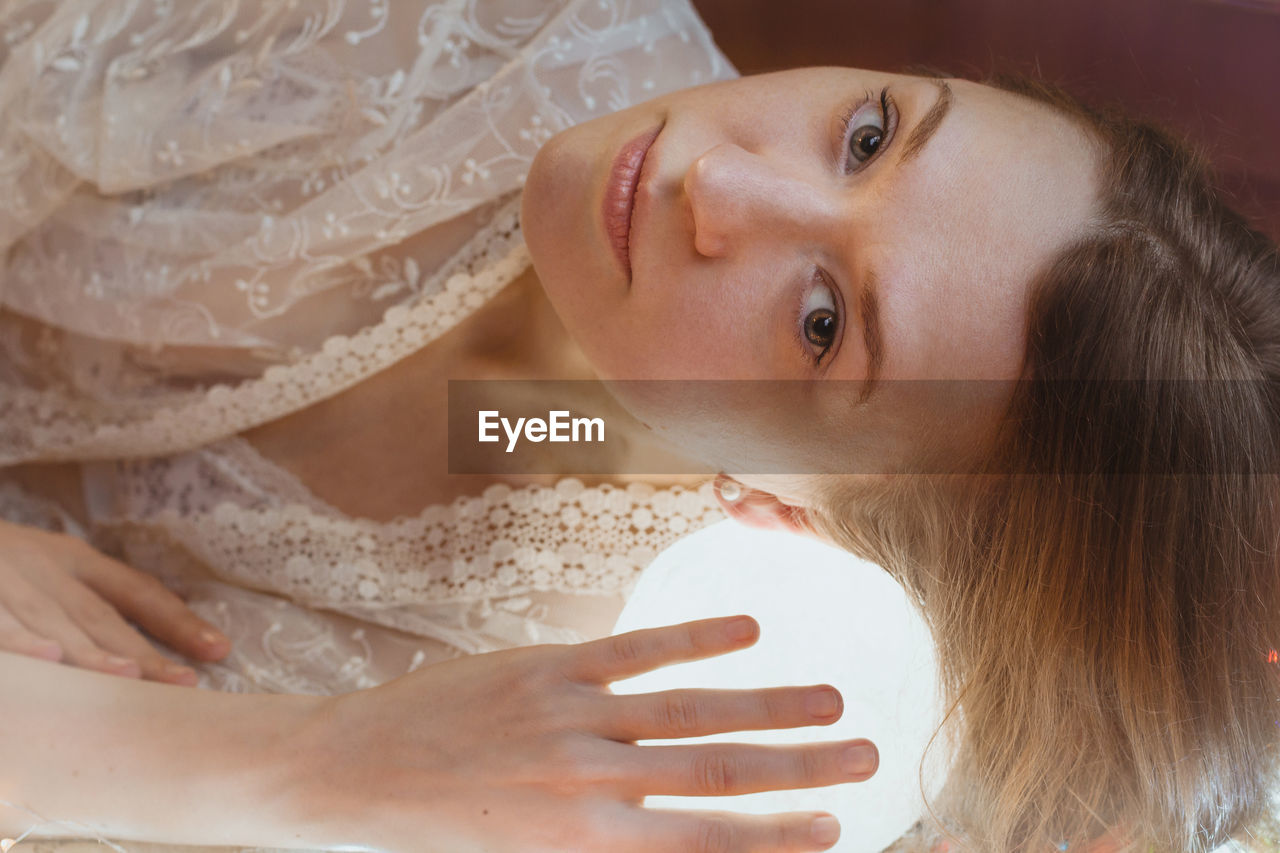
pixel 1104 593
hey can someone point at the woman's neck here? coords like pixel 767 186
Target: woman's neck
pixel 380 449
pixel 518 335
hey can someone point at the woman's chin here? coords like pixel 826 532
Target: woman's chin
pixel 560 241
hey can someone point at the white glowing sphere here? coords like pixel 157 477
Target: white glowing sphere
pixel 826 617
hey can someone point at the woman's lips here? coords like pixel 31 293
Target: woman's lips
pixel 620 195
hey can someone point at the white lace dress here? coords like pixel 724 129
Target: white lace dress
pixel 219 213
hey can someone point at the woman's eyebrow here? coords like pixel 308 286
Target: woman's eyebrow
pixel 928 123
pixel 869 295
pixel 872 335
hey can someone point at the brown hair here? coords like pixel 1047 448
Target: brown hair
pixel 1104 601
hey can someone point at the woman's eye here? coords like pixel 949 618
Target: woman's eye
pixel 820 321
pixel 865 133
pixel 865 141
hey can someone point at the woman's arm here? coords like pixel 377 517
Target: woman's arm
pixel 520 751
pixel 144 761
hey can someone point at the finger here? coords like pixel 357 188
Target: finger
pixel 108 630
pixel 730 832
pixel 729 769
pixel 695 712
pixel 44 616
pixel 636 652
pixel 16 637
pixel 155 608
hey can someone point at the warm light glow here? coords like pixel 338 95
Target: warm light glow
pixel 1273 657
pixel 825 617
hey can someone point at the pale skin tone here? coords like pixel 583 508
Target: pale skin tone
pixel 749 190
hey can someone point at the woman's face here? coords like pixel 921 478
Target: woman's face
pixel 771 242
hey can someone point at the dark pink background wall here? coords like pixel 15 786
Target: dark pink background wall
pixel 1208 68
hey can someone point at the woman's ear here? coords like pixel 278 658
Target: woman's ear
pixel 761 509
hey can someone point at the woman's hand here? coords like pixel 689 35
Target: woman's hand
pixel 528 751
pixel 62 600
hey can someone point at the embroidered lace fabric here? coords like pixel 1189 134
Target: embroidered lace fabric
pixel 218 213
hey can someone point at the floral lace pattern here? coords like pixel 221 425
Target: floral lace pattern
pixel 316 602
pixel 341 362
pixel 511 567
pixel 219 213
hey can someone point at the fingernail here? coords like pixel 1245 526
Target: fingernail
pixel 210 637
pixel 824 703
pixel 860 760
pixel 826 830
pixel 118 662
pixel 742 629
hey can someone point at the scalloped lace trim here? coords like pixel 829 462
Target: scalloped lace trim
pixel 263 528
pixel 62 429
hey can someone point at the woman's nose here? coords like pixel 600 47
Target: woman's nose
pixel 739 197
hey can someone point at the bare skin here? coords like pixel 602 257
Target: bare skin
pixel 742 200
pixel 62 600
pixel 762 225
pixel 551 763
pixel 748 196
pixel 555 741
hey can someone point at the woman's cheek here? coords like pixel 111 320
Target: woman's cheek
pixel 543 208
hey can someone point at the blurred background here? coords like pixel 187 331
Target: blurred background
pixel 1209 69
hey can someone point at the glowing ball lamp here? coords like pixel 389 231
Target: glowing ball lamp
pixel 825 617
